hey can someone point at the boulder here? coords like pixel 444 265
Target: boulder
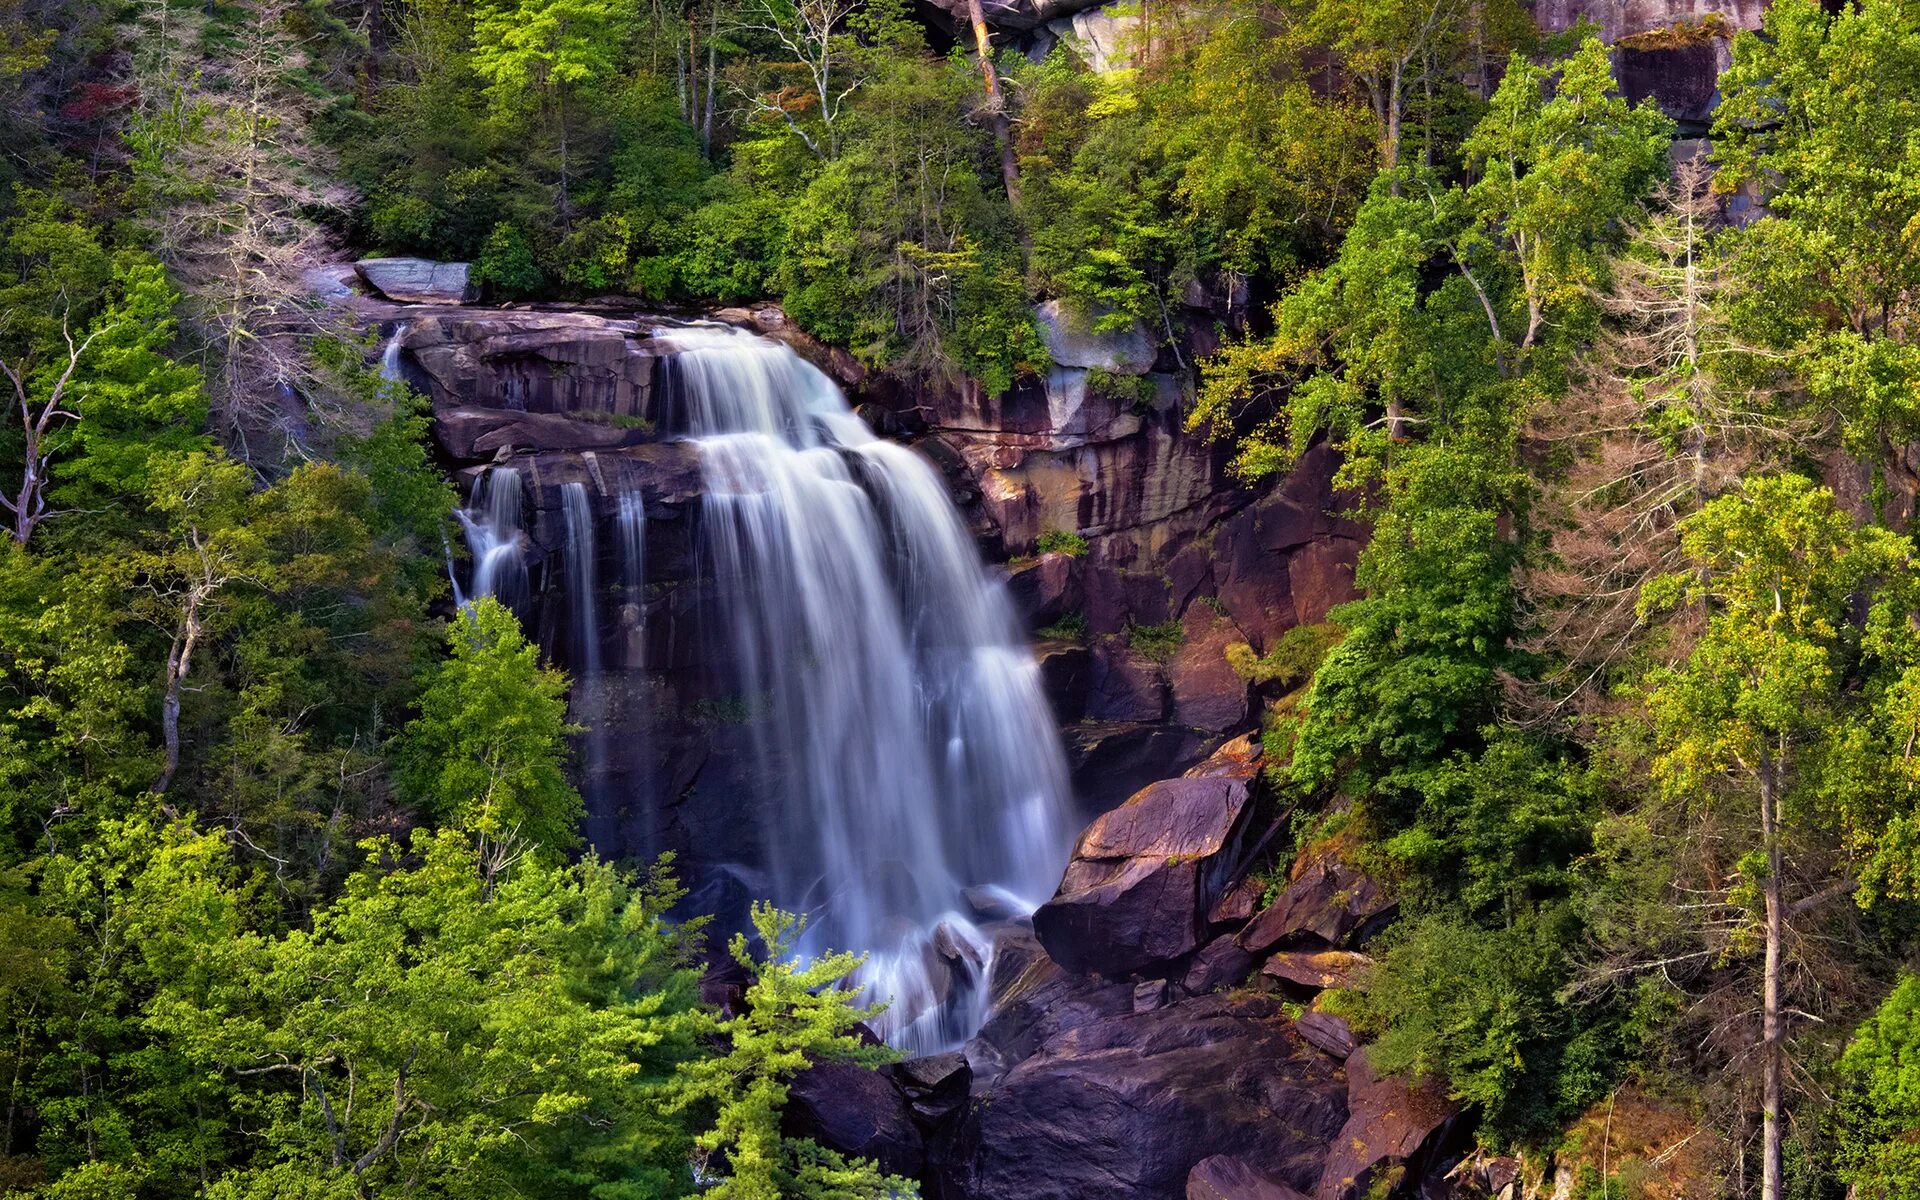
pixel 1327 903
pixel 1330 1033
pixel 1103 37
pixel 1072 343
pixel 1142 878
pixel 935 1087
pixel 1125 686
pixel 418 280
pixel 1045 587
pixel 1221 963
pixel 855 1111
pixel 1315 970
pixel 1122 1107
pixel 1389 1120
pixel 1224 1177
pixel 1111 760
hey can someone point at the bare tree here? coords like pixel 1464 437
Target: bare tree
pixel 1670 410
pixel 40 420
pixel 812 32
pixel 223 149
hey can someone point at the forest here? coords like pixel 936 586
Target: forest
pixel 295 898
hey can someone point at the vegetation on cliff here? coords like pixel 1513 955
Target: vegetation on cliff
pixel 290 896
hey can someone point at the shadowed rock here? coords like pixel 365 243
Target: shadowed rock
pixel 1224 1177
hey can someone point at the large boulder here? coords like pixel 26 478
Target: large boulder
pixel 418 280
pixel 855 1111
pixel 1122 1107
pixel 1389 1121
pixel 1143 877
pixel 1016 15
pixel 1327 904
pixel 1072 342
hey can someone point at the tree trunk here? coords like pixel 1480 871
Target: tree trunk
pixel 996 104
pixel 179 663
pixel 713 67
pixel 1771 1030
pixel 566 183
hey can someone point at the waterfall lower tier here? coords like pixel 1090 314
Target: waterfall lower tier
pixel 887 686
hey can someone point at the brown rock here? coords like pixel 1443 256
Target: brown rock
pixel 1388 1121
pixel 1125 686
pixel 1316 969
pixel 1330 1033
pixel 1223 1177
pixel 1207 692
pixel 1327 902
pixel 1143 876
pixel 857 1112
pixel 1122 1107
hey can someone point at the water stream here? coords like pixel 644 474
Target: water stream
pixel 890 689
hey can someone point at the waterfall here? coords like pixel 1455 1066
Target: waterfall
pixel 892 697
pixel 582 582
pixel 390 356
pixel 492 522
pixel 633 541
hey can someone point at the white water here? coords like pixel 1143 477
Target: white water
pixel 493 524
pixel 890 692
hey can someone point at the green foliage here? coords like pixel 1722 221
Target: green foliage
pixel 1062 541
pixel 1295 657
pixel 506 263
pixel 1156 643
pixel 1477 1008
pixel 1876 1156
pixel 1820 110
pixel 1071 627
pixel 488 750
pixel 796 1013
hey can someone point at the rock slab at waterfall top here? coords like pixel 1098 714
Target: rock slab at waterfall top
pixel 418 280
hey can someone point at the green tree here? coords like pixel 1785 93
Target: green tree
pixel 548 52
pixel 1877 1157
pixel 1822 112
pixel 487 753
pixel 1748 716
pixel 441 1034
pixel 796 1014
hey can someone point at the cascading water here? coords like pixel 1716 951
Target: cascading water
pixel 492 522
pixel 892 699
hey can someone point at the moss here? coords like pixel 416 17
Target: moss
pixel 594 416
pixel 1071 627
pixel 1680 34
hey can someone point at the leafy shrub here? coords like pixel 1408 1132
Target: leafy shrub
pixel 1157 643
pixel 1060 541
pixel 507 264
pixel 1071 627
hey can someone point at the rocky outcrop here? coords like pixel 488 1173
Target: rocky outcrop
pixel 1122 1108
pixel 418 280
pixel 1389 1122
pixel 1669 51
pixel 1143 877
pixel 858 1112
